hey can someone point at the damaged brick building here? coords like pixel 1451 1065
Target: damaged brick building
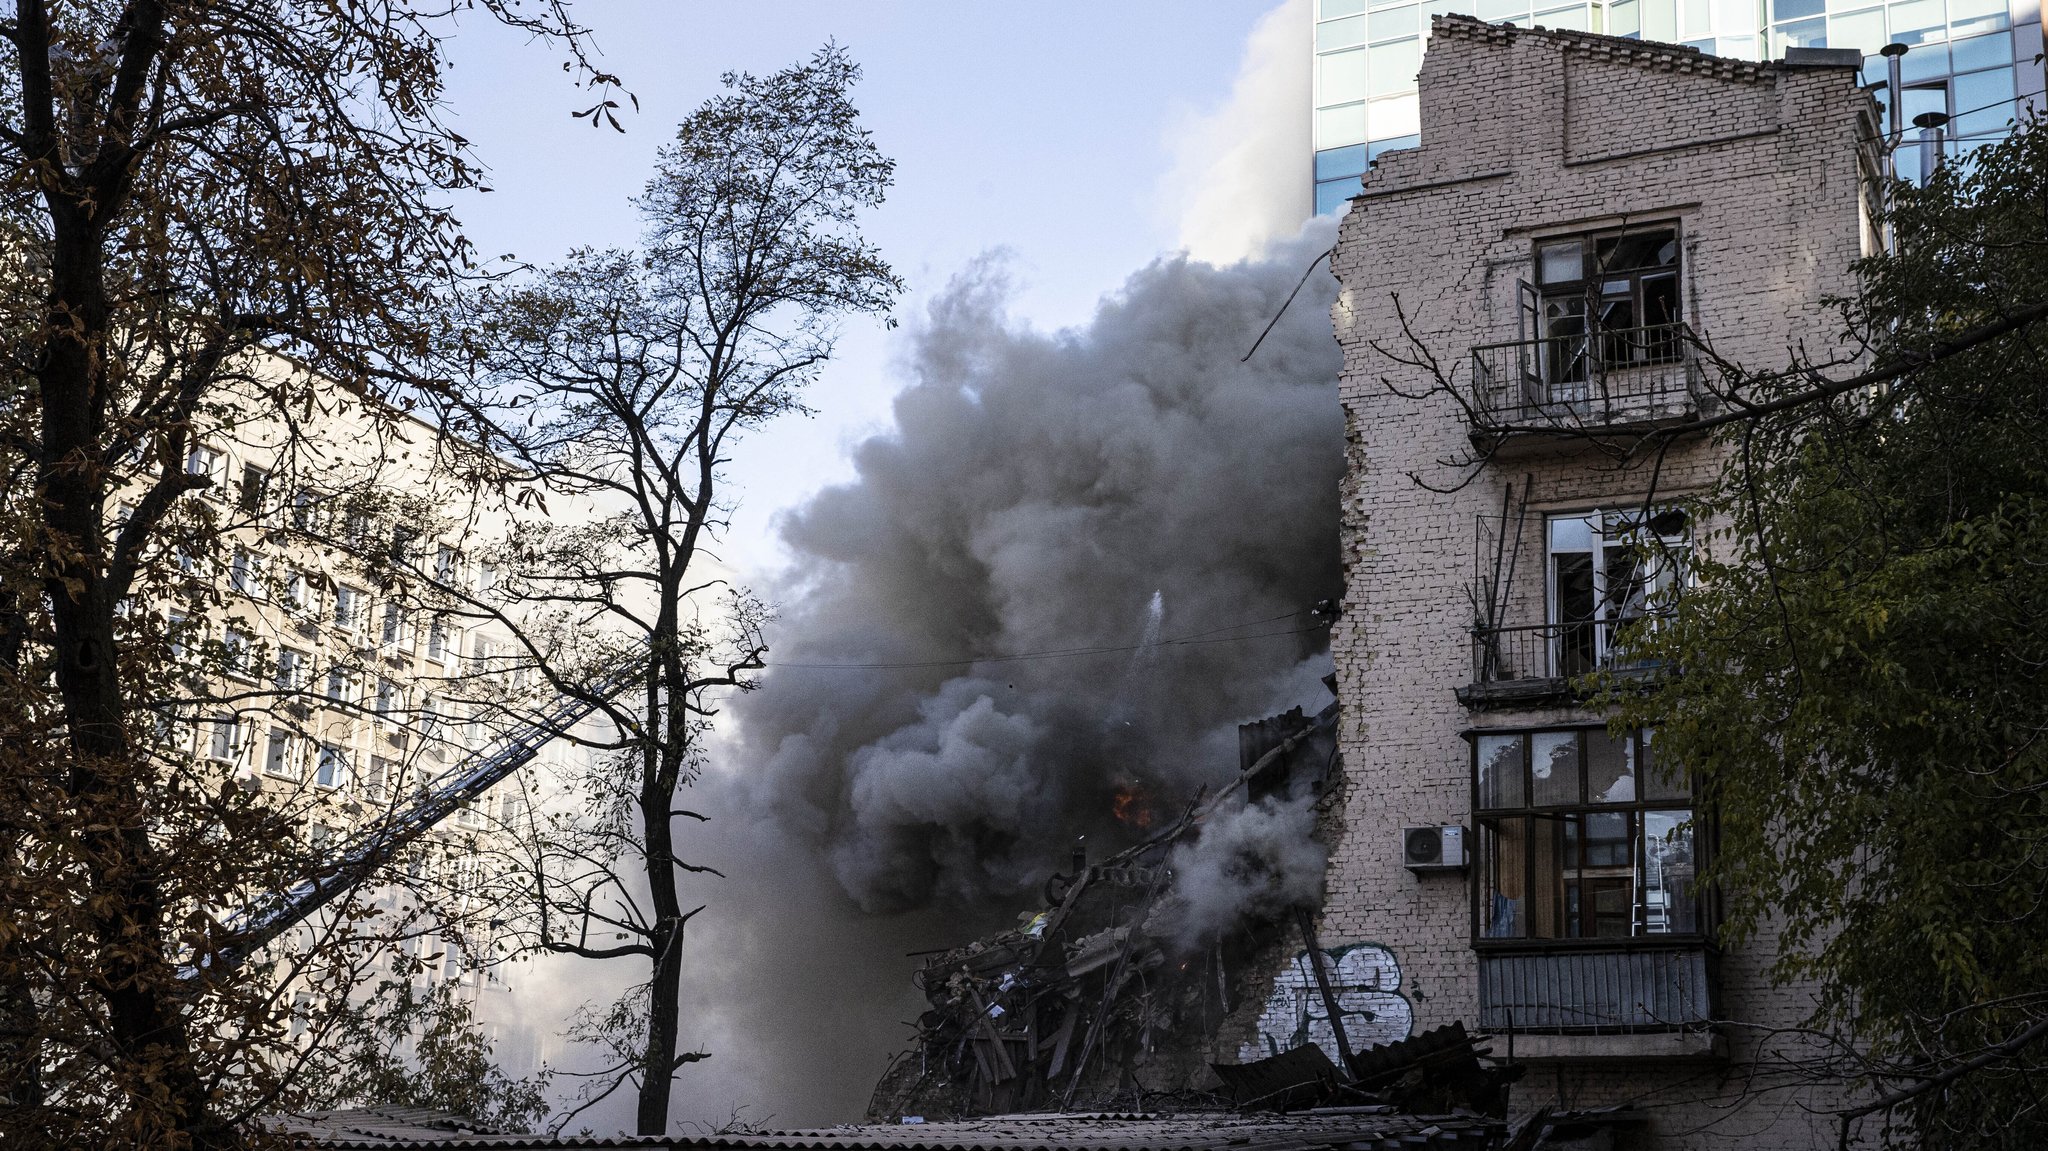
pixel 1588 224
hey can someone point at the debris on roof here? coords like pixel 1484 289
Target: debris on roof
pixel 1065 1009
pixel 1341 1129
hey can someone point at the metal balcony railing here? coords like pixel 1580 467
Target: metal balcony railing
pixel 1558 651
pixel 1589 380
pixel 1630 990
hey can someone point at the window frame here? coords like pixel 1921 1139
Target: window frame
pixel 1584 297
pixel 1611 533
pixel 1706 907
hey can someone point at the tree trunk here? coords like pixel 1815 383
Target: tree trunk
pixel 152 1050
pixel 662 763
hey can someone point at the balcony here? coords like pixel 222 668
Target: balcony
pixel 1536 663
pixel 1642 988
pixel 1619 382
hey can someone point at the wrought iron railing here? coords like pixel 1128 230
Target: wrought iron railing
pixel 1594 379
pixel 1560 650
pixel 1632 990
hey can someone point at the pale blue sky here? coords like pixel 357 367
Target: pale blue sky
pixel 1047 128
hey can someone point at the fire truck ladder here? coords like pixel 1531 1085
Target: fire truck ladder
pixel 244 932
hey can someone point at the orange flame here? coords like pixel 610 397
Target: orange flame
pixel 1130 809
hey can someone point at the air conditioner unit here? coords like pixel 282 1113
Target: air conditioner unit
pixel 1433 848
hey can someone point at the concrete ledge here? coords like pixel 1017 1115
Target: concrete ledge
pixel 1657 1045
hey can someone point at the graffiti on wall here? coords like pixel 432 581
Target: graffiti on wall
pixel 1365 979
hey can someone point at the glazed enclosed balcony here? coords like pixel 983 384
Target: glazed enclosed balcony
pixel 1603 381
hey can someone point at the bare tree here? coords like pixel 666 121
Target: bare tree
pixel 626 378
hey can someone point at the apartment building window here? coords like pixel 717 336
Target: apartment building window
pixel 255 493
pixel 447 564
pixel 224 738
pixel 1608 569
pixel 330 766
pixel 302 594
pixel 382 773
pixel 177 628
pixel 1581 836
pixel 291 669
pixel 405 545
pixel 355 528
pixel 238 654
pixel 306 509
pixel 397 633
pixel 350 604
pixel 430 726
pixel 210 462
pixel 387 697
pixel 341 684
pixel 245 572
pixel 1603 302
pixel 277 755
pixel 444 643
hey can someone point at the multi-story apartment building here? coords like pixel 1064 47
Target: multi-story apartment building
pixel 1524 290
pixel 1978 61
pixel 345 648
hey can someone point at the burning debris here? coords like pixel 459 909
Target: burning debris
pixel 1134 962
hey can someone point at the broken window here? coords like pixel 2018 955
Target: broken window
pixel 1609 569
pixel 1582 836
pixel 1602 302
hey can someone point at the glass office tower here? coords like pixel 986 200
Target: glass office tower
pixel 1977 60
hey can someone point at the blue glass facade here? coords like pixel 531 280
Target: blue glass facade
pixel 1976 60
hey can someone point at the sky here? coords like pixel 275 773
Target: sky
pixel 1080 140
pixel 1076 142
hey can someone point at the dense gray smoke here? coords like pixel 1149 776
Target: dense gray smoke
pixel 1253 856
pixel 1056 587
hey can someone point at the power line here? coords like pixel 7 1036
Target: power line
pixel 1195 639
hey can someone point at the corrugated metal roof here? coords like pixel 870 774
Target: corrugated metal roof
pixel 1348 1129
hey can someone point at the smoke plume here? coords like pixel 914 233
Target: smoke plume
pixel 1052 592
pixel 1239 182
pixel 1254 856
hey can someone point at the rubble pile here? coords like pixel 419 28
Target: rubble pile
pixel 1103 980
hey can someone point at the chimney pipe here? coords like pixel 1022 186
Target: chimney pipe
pixel 1930 125
pixel 1895 95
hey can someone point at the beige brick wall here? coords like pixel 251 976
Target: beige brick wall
pixel 1527 134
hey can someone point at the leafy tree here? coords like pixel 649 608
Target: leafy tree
pixel 184 187
pixel 626 378
pixel 1865 663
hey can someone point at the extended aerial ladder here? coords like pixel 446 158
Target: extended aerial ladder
pixel 244 932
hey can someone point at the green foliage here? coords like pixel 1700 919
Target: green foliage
pixel 1865 663
pixel 409 1046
